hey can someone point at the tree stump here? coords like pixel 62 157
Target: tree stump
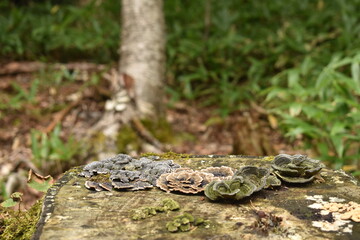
pixel 71 211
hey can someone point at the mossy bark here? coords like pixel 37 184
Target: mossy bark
pixel 73 212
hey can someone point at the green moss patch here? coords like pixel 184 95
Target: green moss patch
pixel 166 205
pixel 167 155
pixel 127 139
pixel 100 178
pixel 186 222
pixel 19 225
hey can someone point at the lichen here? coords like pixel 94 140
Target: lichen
pixel 296 168
pixel 19 225
pixel 336 216
pixel 185 223
pixel 166 205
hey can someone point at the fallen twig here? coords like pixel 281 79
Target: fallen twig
pixel 59 116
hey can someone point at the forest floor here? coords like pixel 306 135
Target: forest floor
pixel 36 98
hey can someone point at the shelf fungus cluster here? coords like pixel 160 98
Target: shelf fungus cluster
pixel 123 172
pixel 186 180
pixel 296 168
pixel 246 181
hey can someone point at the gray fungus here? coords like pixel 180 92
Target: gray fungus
pixel 125 173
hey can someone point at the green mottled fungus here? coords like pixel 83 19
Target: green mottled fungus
pixel 296 168
pixel 257 175
pixel 272 181
pixel 236 188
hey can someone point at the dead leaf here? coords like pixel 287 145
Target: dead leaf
pixel 273 121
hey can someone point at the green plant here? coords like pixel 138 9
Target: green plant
pixel 21 96
pixel 22 224
pixel 321 105
pixel 45 30
pixel 49 149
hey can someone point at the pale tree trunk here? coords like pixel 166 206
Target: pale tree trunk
pixel 138 86
pixel 142 54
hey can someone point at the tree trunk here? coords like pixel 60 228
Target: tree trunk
pixel 142 54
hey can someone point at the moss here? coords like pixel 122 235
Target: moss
pixel 74 170
pixel 127 139
pixel 185 222
pixel 170 204
pixel 100 178
pixel 167 155
pixel 142 213
pixel 166 205
pixel 160 129
pixel 98 142
pixel 20 225
pixel 268 158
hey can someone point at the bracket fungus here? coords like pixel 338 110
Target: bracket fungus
pixel 296 168
pixel 272 181
pixel 235 188
pixel 257 175
pixel 184 180
pixel 126 173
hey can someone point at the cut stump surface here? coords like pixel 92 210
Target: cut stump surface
pixel 291 211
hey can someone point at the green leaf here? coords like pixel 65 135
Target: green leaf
pixel 33 90
pixel 293 78
pixel 9 203
pixel 41 186
pixel 338 127
pixel 338 144
pixel 295 109
pixel 355 74
pixel 306 65
pixel 323 148
pixel 45 146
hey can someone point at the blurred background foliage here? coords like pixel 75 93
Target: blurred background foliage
pixel 299 60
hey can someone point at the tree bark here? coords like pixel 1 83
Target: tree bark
pixel 142 55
